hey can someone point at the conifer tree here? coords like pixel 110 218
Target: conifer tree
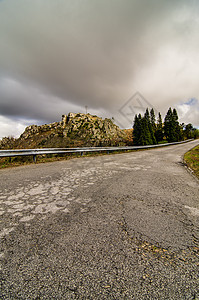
pixel 151 140
pixel 140 126
pixel 141 133
pixel 147 116
pixel 159 129
pixel 176 125
pixel 169 126
pixel 146 134
pixel 136 130
pixel 153 123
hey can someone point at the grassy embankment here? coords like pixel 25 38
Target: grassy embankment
pixel 191 158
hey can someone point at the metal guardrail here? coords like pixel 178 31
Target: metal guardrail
pixel 44 151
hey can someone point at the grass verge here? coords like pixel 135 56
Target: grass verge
pixel 191 158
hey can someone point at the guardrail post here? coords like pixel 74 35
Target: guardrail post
pixel 82 153
pixel 35 158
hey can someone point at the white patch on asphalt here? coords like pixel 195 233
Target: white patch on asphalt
pixel 26 219
pixel 54 195
pixel 25 202
pixel 6 231
pixel 194 211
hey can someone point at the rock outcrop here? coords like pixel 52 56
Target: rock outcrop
pixel 74 130
pixel 7 143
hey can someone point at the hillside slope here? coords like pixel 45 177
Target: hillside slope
pixel 75 130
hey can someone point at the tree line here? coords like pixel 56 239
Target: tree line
pixel 148 131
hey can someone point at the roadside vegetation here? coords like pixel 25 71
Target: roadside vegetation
pixel 8 162
pixel 191 158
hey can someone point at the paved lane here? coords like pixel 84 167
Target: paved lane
pixel 112 227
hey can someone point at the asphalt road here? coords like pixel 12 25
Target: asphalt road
pixel 119 226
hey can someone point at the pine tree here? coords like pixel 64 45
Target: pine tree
pixel 136 130
pixel 176 125
pixel 168 126
pixel 171 126
pixel 147 116
pixel 151 139
pixel 141 140
pixel 141 132
pixel 167 121
pixel 153 126
pixel 153 123
pixel 159 129
pixel 146 132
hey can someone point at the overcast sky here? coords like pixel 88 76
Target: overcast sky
pixel 60 56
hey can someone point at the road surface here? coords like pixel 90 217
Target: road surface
pixel 119 226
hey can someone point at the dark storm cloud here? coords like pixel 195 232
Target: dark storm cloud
pixel 60 55
pixel 18 100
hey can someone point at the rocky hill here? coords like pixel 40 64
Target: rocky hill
pixel 75 130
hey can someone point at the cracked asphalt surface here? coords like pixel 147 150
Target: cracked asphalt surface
pixel 119 226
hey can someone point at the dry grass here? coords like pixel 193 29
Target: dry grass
pixel 27 160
